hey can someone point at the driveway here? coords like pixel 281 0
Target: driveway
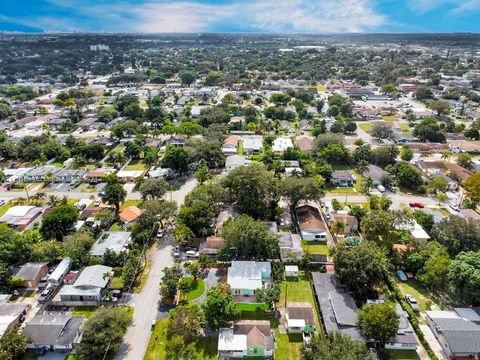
pixel 211 277
pixel 432 341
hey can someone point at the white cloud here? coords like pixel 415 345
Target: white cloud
pixel 310 16
pixel 458 7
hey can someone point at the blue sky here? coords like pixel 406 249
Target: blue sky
pixel 266 16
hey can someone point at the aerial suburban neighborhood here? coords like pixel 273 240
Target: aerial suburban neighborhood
pixel 223 196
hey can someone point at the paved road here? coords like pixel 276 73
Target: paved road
pixel 147 302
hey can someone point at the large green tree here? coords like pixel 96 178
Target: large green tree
pixel 464 277
pixel 248 239
pixel 185 321
pixel 153 188
pixel 254 189
pixel 335 346
pixel 58 222
pixel 472 186
pixel 457 234
pixel 296 190
pixel 102 333
pixel 77 246
pixel 379 322
pixel 218 307
pixel 13 344
pixel 114 194
pixel 360 268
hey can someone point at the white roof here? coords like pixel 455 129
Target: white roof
pixel 60 270
pixel 19 210
pixel 247 274
pixel 282 144
pixel 291 268
pixel 129 173
pixel 468 314
pixel 442 315
pixel 93 276
pixel 297 323
pixel 228 341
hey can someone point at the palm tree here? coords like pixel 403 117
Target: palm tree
pixel 53 200
pixel 362 166
pixel 445 156
pixel 338 227
pixel 366 185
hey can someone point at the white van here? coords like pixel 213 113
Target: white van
pixel 381 188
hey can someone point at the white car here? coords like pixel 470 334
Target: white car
pixel 192 254
pixel 454 207
pixel 381 188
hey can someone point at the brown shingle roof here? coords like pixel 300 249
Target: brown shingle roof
pixel 130 213
pixel 301 310
pixel 309 218
pixel 231 140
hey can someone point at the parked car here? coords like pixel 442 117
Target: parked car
pixel 416 205
pixel 307 338
pixel 160 233
pixel 322 203
pixel 45 295
pixel 392 188
pixel 413 303
pixel 381 188
pixel 2 202
pixel 98 202
pixel 454 207
pixel 192 254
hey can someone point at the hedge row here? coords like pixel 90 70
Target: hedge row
pixel 412 317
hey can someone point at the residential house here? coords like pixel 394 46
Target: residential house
pixel 124 176
pixel 53 332
pixel 10 314
pixel 452 184
pixel 91 285
pixel 281 144
pixel 62 269
pixel 453 169
pixel 405 337
pixel 212 245
pixel 40 174
pixel 290 247
pixel 376 173
pixel 300 318
pixel 116 241
pixel 165 173
pixel 89 212
pixel 230 145
pixel 30 274
pixel 312 226
pixel 252 144
pixel 69 176
pixel 21 217
pixel 399 137
pixel 234 161
pixel 130 214
pixel 292 166
pixel 245 277
pixel 342 178
pixel 305 143
pixel 416 231
pixel 97 175
pixel 338 308
pixel 247 338
pixel 458 332
pixel 351 222
pixel 465 145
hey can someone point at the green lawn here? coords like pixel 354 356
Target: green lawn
pixel 130 202
pixel 207 346
pixel 115 227
pixel 365 127
pixel 340 190
pixel 85 311
pixel 136 165
pixel 117 149
pixel 117 280
pixel 198 288
pixel 57 164
pixel 321 87
pixel 315 247
pixel 403 354
pixel 389 118
pixel 251 307
pixel 420 293
pixel 288 346
pixel 89 189
pixel 405 128
pixel 5 208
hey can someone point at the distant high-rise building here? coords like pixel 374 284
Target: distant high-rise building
pixel 99 47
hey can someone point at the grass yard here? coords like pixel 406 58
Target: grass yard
pixel 420 293
pixel 158 341
pixel 340 190
pixel 85 311
pixel 389 118
pixel 5 208
pixel 315 247
pixel 136 165
pixel 288 346
pixel 365 127
pixel 405 128
pixel 130 202
pixel 403 354
pixel 89 189
pixel 117 149
pixel 117 280
pixel 57 164
pixel 321 87
pixel 198 288
pixel 115 227
pixel 251 307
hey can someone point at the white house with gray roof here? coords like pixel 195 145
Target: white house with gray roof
pixel 90 285
pixel 116 241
